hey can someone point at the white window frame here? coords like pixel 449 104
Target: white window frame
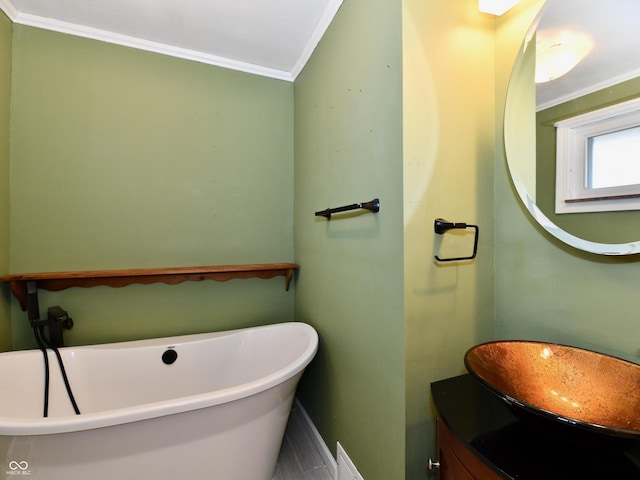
pixel 572 137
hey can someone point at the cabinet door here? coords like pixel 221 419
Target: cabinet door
pixel 450 466
pixel 457 461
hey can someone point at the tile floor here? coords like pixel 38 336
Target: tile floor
pixel 299 457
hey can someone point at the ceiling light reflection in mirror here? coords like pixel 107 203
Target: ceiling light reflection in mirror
pixel 559 53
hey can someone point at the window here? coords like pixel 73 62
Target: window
pixel 612 159
pixel 598 160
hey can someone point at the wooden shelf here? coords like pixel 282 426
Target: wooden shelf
pixel 55 281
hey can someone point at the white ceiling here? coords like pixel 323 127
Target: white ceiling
pixel 274 38
pixel 614 26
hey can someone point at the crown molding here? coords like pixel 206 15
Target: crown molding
pixel 147 45
pixel 329 14
pixel 9 9
pixel 164 49
pixel 610 82
pixel 138 43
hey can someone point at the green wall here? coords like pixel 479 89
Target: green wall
pixel 5 102
pixel 448 50
pixel 348 148
pixel 385 108
pixel 123 159
pixel 544 289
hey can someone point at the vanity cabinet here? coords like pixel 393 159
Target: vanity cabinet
pixel 458 462
pixel 478 438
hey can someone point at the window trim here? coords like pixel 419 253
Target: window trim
pixel 572 136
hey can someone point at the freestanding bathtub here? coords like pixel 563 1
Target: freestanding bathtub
pixel 218 412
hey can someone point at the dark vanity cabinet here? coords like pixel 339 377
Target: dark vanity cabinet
pixel 456 461
pixel 479 438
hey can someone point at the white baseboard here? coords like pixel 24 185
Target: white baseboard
pixel 328 459
pixel 346 468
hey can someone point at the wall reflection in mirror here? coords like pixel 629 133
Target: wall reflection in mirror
pixel 575 82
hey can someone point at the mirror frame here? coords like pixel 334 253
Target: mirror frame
pixel 518 138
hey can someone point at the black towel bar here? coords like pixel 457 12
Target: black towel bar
pixel 372 206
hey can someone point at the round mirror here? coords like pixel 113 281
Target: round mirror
pixel 559 116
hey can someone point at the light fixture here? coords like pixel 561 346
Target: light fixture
pixel 495 7
pixel 556 56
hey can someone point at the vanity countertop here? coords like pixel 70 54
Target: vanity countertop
pixel 517 450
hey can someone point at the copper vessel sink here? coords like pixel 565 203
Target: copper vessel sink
pixel 568 386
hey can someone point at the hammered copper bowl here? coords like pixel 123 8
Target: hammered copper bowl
pixel 576 388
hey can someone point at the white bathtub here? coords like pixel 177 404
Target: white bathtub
pixel 218 412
